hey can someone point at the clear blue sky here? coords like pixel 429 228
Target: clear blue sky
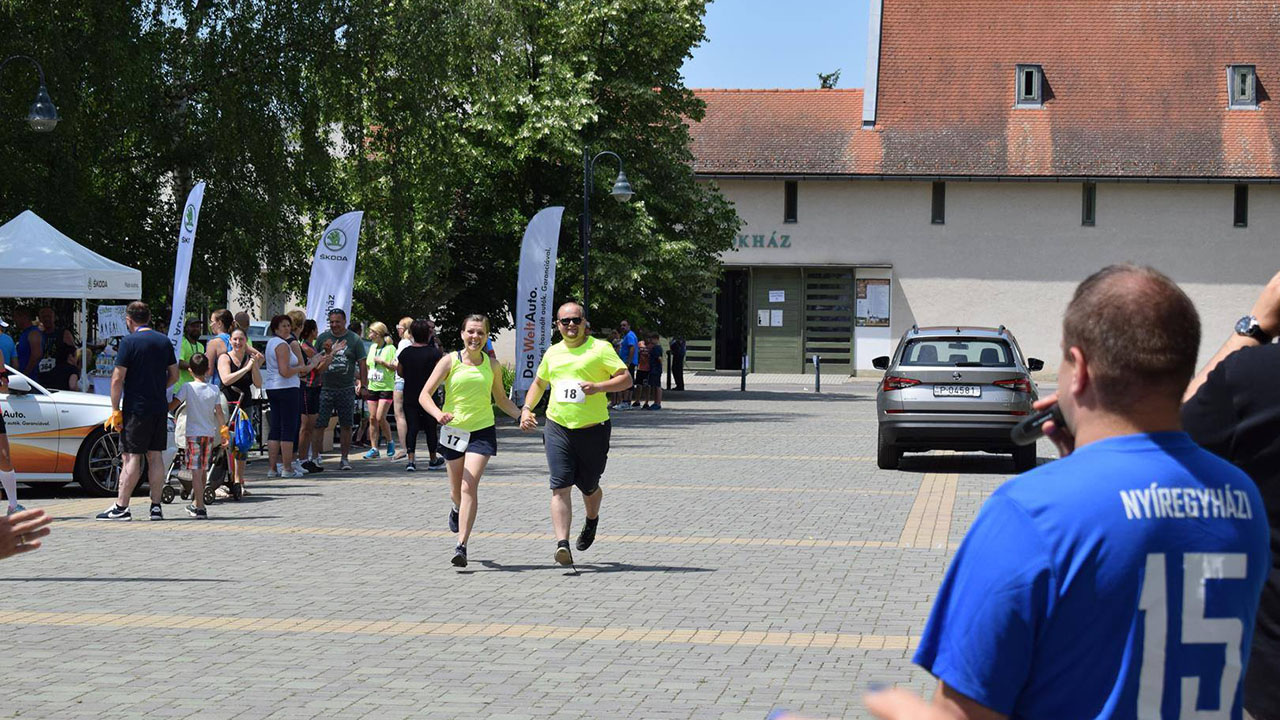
pixel 780 44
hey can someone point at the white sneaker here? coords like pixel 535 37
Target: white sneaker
pixel 298 470
pixel 296 474
pixel 276 471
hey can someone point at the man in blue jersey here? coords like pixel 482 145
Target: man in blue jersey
pixel 1123 580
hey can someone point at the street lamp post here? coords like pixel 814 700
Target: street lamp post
pixel 621 192
pixel 43 116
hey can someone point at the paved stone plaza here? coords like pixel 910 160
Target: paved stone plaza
pixel 750 557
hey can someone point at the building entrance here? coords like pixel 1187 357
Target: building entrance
pixel 732 301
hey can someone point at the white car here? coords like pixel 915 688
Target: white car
pixel 56 436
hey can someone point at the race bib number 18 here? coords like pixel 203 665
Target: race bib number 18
pixel 570 394
pixel 454 439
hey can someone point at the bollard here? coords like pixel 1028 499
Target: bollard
pixel 743 388
pixel 817 374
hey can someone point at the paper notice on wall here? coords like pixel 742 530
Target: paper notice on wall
pixel 762 318
pixel 111 321
pixel 775 318
pixel 777 296
pixel 871 302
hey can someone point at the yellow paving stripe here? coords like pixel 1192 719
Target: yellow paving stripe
pixel 929 522
pixel 438 481
pixel 221 527
pixel 317 626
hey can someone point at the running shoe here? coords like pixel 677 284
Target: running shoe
pixel 296 474
pixel 656 406
pixel 115 512
pixel 635 404
pixel 273 472
pixel 156 512
pixel 297 467
pixel 645 406
pixel 311 467
pixel 410 467
pixel 453 520
pixel 345 464
pixel 460 556
pixel 563 556
pixel 437 464
pixel 391 448
pixel 588 535
pixel 197 513
pixel 373 453
pixel 15 509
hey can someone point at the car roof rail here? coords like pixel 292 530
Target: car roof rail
pixel 1000 329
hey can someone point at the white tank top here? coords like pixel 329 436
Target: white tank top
pixel 271 378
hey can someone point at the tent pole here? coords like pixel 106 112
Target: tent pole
pixel 84 340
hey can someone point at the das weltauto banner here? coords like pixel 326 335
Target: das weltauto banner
pixel 182 267
pixel 333 269
pixel 534 289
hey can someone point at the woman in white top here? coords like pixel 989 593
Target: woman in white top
pixel 402 331
pixel 280 378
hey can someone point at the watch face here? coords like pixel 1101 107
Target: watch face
pixel 1244 325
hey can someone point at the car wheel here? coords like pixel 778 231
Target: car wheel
pixel 887 454
pixel 1024 458
pixel 99 464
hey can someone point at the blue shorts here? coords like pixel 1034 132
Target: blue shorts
pixel 483 442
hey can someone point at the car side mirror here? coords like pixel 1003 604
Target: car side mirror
pixel 19 385
pixel 1035 364
pixel 881 363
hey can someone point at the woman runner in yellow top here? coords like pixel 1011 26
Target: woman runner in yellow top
pixel 467 436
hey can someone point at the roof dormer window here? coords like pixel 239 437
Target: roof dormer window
pixel 1030 82
pixel 1243 84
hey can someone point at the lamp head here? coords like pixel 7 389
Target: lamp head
pixel 43 116
pixel 622 191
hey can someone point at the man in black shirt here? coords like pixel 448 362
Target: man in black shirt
pixel 416 362
pixel 1232 408
pixel 146 367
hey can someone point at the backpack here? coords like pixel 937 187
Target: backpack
pixel 243 436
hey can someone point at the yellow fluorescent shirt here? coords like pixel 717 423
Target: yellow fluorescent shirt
pixel 593 361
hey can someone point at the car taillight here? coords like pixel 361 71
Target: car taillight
pixel 1018 384
pixel 897 383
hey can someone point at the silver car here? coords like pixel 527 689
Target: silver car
pixel 954 388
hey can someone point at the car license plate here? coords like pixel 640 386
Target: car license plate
pixel 957 391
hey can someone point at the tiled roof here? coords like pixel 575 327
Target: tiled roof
pixel 1133 89
pixel 776 131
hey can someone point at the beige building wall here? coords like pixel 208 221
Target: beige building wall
pixel 1011 253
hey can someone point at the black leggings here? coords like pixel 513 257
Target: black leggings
pixel 415 419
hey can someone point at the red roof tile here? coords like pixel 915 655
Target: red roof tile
pixel 776 131
pixel 1134 89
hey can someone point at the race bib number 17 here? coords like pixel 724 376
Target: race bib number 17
pixel 454 439
pixel 571 393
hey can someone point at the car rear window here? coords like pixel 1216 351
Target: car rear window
pixel 957 352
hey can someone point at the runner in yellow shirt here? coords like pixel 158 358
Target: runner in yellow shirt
pixel 467 435
pixel 581 372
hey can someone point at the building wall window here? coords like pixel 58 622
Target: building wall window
pixel 1029 85
pixel 789 198
pixel 1089 204
pixel 1242 206
pixel 1243 85
pixel 938 215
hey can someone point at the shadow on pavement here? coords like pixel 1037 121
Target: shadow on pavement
pixel 979 463
pixel 609 567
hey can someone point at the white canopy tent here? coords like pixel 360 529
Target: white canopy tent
pixel 40 262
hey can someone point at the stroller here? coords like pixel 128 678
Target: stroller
pixel 178 481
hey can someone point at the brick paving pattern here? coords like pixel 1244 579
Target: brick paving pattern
pixel 750 557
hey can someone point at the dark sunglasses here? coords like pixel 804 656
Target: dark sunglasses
pixel 571 321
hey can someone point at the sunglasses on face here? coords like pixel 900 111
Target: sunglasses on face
pixel 570 321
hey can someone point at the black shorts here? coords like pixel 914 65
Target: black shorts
pixel 577 457
pixel 311 399
pixel 483 442
pixel 655 378
pixel 373 395
pixel 145 433
pixel 641 378
pixel 3 431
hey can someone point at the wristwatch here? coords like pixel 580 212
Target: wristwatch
pixel 1248 326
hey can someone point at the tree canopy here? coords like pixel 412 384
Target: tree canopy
pixel 449 122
